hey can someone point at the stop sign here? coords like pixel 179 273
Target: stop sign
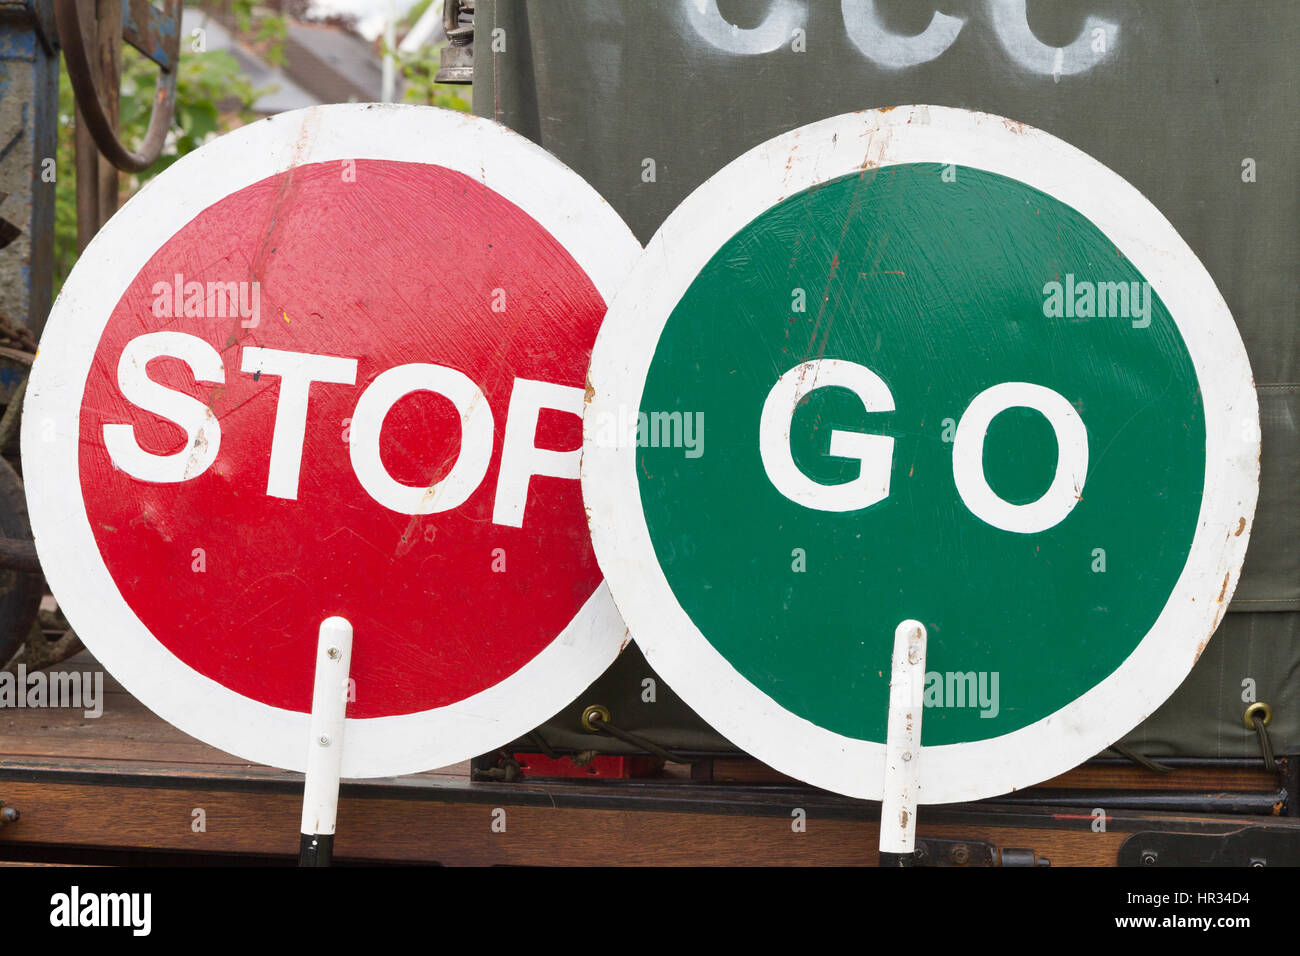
pixel 923 364
pixel 333 364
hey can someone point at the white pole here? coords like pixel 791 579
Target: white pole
pixel 427 29
pixel 903 745
pixel 329 704
pixel 388 79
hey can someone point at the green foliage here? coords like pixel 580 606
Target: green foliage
pixel 65 188
pixel 419 69
pixel 272 32
pixel 243 11
pixel 412 15
pixel 212 95
pixel 266 32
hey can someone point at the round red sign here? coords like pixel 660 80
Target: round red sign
pixel 333 364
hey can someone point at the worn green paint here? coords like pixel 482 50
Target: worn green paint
pixel 938 287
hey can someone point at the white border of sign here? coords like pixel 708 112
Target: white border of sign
pixel 525 174
pixel 625 347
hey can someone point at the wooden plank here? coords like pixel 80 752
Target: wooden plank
pixel 1113 777
pixel 463 834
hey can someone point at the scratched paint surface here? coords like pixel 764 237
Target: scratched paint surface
pixel 938 288
pixel 401 265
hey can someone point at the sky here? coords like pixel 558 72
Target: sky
pixel 370 14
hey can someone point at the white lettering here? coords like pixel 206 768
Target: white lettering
pixel 476 438
pixel 875 452
pixel 202 431
pixel 297 372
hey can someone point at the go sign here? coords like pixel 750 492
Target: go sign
pixel 939 366
pixel 332 364
pixel 874 453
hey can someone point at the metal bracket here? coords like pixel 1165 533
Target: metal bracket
pixel 934 852
pixel 1259 845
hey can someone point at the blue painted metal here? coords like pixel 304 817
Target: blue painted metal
pixel 149 31
pixel 29 95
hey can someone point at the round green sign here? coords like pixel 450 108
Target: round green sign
pixel 926 364
pixel 940 314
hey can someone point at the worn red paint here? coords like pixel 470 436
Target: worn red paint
pixel 398 266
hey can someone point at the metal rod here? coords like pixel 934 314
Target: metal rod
pixel 81 56
pixel 1257 803
pixel 87 164
pixel 329 703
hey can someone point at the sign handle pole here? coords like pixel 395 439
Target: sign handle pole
pixel 903 746
pixel 329 703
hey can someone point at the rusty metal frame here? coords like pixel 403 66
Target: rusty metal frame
pixel 155 34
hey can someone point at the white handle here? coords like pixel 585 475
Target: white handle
pixel 903 740
pixel 329 702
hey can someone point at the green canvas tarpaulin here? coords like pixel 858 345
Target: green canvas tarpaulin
pixel 1192 102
